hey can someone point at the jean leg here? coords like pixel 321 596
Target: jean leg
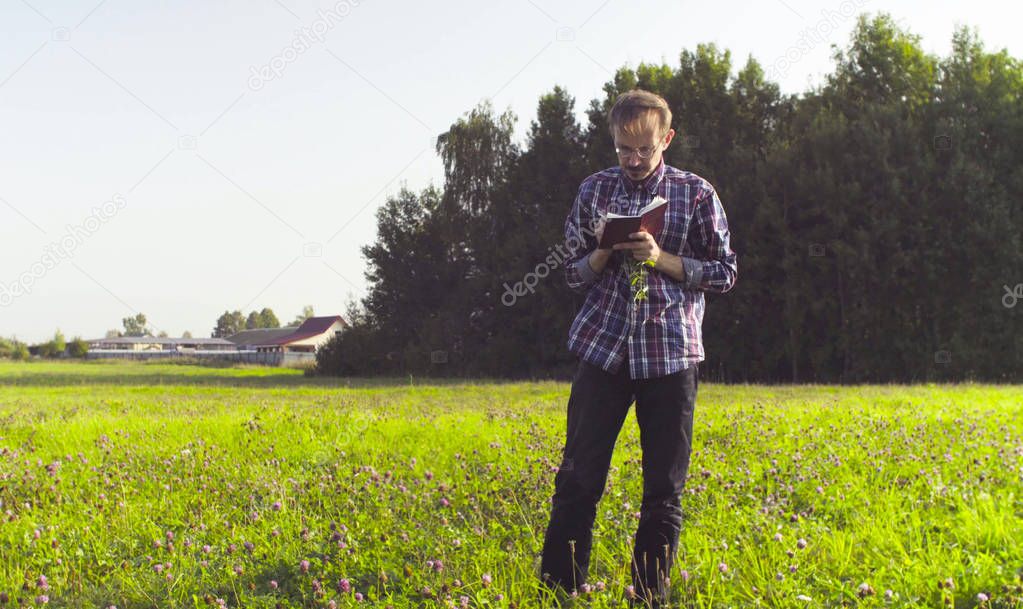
pixel 664 410
pixel 597 407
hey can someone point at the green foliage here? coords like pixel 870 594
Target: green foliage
pixel 12 348
pixel 307 312
pixel 265 319
pixel 876 220
pixel 135 326
pixel 230 322
pixel 268 319
pixel 78 348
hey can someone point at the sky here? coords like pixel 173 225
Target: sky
pixel 185 158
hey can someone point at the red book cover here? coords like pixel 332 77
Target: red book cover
pixel 617 228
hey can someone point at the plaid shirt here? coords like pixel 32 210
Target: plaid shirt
pixel 662 334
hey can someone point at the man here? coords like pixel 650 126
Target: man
pixel 648 349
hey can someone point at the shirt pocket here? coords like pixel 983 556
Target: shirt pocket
pixel 676 224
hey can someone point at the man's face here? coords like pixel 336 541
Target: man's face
pixel 632 147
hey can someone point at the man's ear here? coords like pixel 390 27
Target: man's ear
pixel 668 137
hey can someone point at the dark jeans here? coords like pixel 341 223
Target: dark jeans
pixel 597 407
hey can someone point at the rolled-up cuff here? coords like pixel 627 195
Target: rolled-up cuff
pixel 694 272
pixel 586 272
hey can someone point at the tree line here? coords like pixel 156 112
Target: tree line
pixel 876 220
pixel 230 322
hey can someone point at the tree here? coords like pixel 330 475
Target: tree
pixel 113 334
pixel 849 206
pixel 253 321
pixel 6 348
pixel 186 334
pixel 229 323
pixel 268 319
pixel 135 326
pixel 54 347
pixel 307 312
pixel 78 348
pixel 20 352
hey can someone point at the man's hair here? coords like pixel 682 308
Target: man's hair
pixel 636 109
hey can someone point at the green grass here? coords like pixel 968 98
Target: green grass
pixel 896 487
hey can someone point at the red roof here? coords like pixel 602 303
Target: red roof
pixel 314 326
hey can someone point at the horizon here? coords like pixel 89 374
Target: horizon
pixel 198 167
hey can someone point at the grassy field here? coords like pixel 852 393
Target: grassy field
pixel 155 485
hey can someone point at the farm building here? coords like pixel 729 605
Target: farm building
pixel 153 343
pixel 306 338
pixel 248 340
pixel 275 347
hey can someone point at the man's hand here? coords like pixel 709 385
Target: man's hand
pixel 642 245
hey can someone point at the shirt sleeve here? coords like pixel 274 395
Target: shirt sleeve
pixel 580 241
pixel 713 267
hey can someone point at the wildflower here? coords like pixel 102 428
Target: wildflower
pixel 864 590
pixel 42 583
pixel 804 598
pixel 630 591
pixel 276 506
pixel 982 598
pixel 723 567
pixel 801 543
pixel 344 586
pixel 487 580
pixel 273 584
pixel 42 599
pixel 358 596
pixel 304 566
pixel 777 537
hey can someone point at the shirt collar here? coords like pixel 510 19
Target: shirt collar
pixel 650 183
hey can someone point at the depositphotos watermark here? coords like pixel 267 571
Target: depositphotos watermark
pixel 555 258
pixel 1012 295
pixel 304 40
pixel 811 37
pixel 61 250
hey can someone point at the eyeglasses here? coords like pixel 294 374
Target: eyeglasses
pixel 644 153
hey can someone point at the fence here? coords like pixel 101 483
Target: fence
pixel 288 358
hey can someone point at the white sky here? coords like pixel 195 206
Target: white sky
pixel 231 186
